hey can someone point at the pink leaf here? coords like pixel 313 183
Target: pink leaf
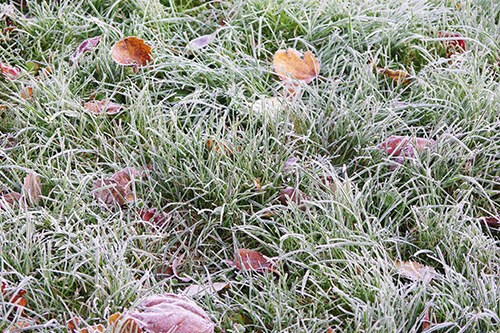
pixel 202 41
pixel 86 46
pixel 104 106
pixel 249 260
pixel 9 72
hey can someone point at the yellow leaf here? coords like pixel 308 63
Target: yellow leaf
pixel 290 65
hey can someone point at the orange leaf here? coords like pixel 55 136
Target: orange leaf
pixel 26 92
pixel 398 76
pixel 249 260
pixel 99 107
pixel 290 65
pixel 32 188
pixel 93 329
pixel 131 51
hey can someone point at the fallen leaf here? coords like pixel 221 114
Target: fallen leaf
pixel 9 200
pixel 415 271
pixel 32 189
pixel 131 51
pixel 491 221
pixel 250 260
pixel 398 76
pixel 166 313
pixel 93 329
pixel 221 147
pixel 26 92
pixel 73 324
pixel 202 41
pixel 426 320
pixel 157 219
pixel 123 325
pixel 257 183
pixel 290 194
pixel 205 289
pixel 109 192
pixel 268 106
pixel 290 65
pixel 104 106
pixel 7 141
pixel 10 73
pixel 291 164
pixel 453 42
pixel 405 146
pixel 87 45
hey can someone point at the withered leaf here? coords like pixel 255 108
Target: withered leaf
pixel 491 221
pixel 250 260
pixel 415 271
pixel 398 76
pixel 157 219
pixel 86 46
pixel 290 194
pixel 117 190
pixel 290 65
pixel 268 106
pixel 405 146
pixel 9 72
pixel 166 313
pixel 453 42
pixel 104 106
pixel 32 189
pixel 131 51
pixel 26 93
pixel 205 289
pixel 202 41
pixel 9 200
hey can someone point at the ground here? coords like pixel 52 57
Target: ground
pixel 215 164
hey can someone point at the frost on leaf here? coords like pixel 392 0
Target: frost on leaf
pixel 290 194
pixel 87 45
pixel 164 313
pixel 270 106
pixel 398 76
pixel 32 189
pixel 104 106
pixel 402 147
pixel 9 72
pixel 250 260
pixel 202 41
pixel 291 65
pixel 131 51
pixel 415 271
pixel 117 190
pixel 453 42
pixel 205 289
pixel 9 200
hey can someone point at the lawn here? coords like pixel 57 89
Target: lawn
pixel 212 133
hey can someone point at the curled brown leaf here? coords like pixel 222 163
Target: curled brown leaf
pixel 250 260
pixel 292 65
pixel 32 189
pixel 131 51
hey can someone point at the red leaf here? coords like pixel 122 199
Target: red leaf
pixel 86 46
pixel 152 216
pixel 491 221
pixel 454 42
pixel 405 146
pixel 104 106
pixel 10 73
pixel 249 260
pixel 290 194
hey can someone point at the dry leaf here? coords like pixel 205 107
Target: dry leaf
pixel 93 329
pixel 166 313
pixel 87 45
pixel 290 65
pixel 7 141
pixel 249 260
pixel 426 320
pixel 157 219
pixel 491 221
pixel 104 106
pixel 32 189
pixel 268 106
pixel 26 93
pixel 405 146
pixel 398 76
pixel 117 190
pixel 10 73
pixel 221 147
pixel 131 51
pixel 291 164
pixel 290 194
pixel 257 183
pixel 205 289
pixel 9 200
pixel 453 42
pixel 202 41
pixel 415 271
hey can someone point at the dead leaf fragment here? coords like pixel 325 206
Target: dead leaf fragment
pixel 415 271
pixel 26 93
pixel 9 200
pixel 87 45
pixel 491 221
pixel 205 289
pixel 398 76
pixel 202 41
pixel 271 106
pixel 453 42
pixel 104 106
pixel 131 51
pixel 9 72
pixel 117 190
pixel 290 194
pixel 157 219
pixel 250 260
pixel 405 146
pixel 32 189
pixel 165 313
pixel 291 65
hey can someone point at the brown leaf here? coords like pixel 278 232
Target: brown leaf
pixel 398 76
pixel 415 271
pixel 93 329
pixel 426 320
pixel 7 141
pixel 290 65
pixel 290 194
pixel 10 73
pixel 26 93
pixel 32 189
pixel 157 219
pixel 405 146
pixel 9 200
pixel 205 289
pixel 86 46
pixel 109 192
pixel 221 147
pixel 491 221
pixel 104 106
pixel 131 51
pixel 249 260
pixel 167 313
